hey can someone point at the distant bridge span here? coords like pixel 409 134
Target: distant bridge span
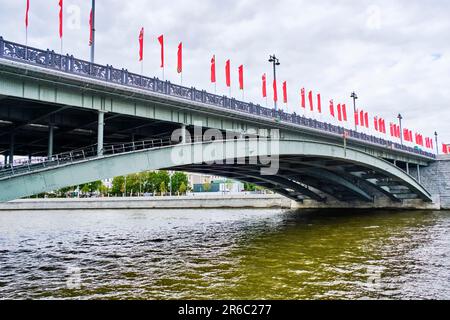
pixel 307 169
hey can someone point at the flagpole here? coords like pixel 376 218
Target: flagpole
pixel 26 43
pixel 93 33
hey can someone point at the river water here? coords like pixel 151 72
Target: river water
pixel 224 254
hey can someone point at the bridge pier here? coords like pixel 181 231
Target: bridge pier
pixel 11 149
pixel 100 132
pixel 183 133
pixel 50 140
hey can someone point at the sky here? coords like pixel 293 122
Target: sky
pixel 394 54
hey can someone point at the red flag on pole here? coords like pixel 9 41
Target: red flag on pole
pixel 91 30
pixel 61 18
pixel 319 103
pixel 303 98
pixel 161 42
pixel 361 118
pixel 445 148
pixel 213 69
pixel 264 86
pixel 285 98
pixel 375 122
pixel 228 73
pixel 366 118
pixel 180 58
pixel 275 91
pixel 344 112
pixel 141 44
pixel 356 118
pixel 310 97
pixel 241 77
pixel 339 109
pixel 26 13
pixel 332 108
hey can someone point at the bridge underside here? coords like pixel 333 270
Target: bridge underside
pixel 306 171
pixel 319 179
pixel 26 124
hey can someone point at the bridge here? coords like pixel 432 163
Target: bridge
pixel 75 122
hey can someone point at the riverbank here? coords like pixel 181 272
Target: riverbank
pixel 184 202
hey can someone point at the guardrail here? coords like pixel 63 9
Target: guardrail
pixel 69 64
pixel 30 165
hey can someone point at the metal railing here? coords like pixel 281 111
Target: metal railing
pixel 68 64
pixel 30 165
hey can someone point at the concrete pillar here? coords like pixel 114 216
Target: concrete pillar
pixel 183 133
pixel 11 149
pixel 418 174
pixel 407 168
pixel 100 132
pixel 50 140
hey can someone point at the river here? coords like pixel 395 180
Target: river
pixel 224 254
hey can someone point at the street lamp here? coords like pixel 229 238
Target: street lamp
pixel 437 146
pixel 354 97
pixel 400 118
pixel 276 62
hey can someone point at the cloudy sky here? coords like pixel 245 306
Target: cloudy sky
pixel 394 54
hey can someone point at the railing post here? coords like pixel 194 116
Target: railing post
pixel 2 46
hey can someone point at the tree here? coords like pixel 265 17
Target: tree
pixel 182 189
pixel 178 179
pixel 118 186
pixel 162 188
pixel 207 187
pixel 91 187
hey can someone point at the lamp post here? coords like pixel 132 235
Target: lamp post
pixel 437 146
pixel 276 62
pixel 400 118
pixel 354 97
pixel 93 32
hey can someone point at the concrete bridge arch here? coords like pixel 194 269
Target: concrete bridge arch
pixel 306 170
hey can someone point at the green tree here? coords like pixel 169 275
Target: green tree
pixel 178 179
pixel 207 187
pixel 91 187
pixel 162 188
pixel 118 186
pixel 182 189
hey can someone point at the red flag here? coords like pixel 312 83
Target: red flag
pixel 319 103
pixel 91 29
pixel 228 73
pixel 445 148
pixel 26 14
pixel 275 91
pixel 356 118
pixel 161 42
pixel 264 86
pixel 141 45
pixel 339 112
pixel 285 98
pixel 310 97
pixel 332 108
pixel 391 127
pixel 344 112
pixel 180 58
pixel 213 69
pixel 375 122
pixel 241 77
pixel 366 118
pixel 61 18
pixel 361 118
pixel 302 92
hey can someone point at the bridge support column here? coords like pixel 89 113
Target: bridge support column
pixel 183 133
pixel 407 168
pixel 11 149
pixel 50 140
pixel 418 174
pixel 100 132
